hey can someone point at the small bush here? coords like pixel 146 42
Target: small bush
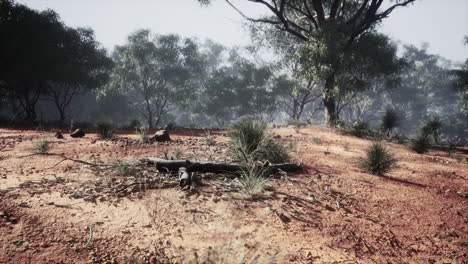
pixel 134 124
pixel 431 128
pixel 42 147
pixel 378 160
pixel 389 122
pixel 143 134
pixel 250 142
pixel 317 140
pixel 106 130
pixel 360 129
pixel 123 168
pixel 209 139
pixel 421 144
pixel 253 180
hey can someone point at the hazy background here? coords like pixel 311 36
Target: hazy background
pixel 441 23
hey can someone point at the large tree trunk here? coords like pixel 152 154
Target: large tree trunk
pixel 329 103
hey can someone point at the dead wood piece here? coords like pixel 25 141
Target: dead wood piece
pixel 161 136
pixel 175 165
pixel 78 133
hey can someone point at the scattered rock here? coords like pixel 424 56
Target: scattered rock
pixel 78 133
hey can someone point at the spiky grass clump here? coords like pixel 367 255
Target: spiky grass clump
pixel 378 160
pixel 360 129
pixel 105 130
pixel 42 147
pixel 390 121
pixel 143 134
pixel 421 144
pixel 253 180
pixel 123 168
pixel 250 142
pixel 209 139
pixel 431 128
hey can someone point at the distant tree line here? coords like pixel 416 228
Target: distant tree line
pixel 322 72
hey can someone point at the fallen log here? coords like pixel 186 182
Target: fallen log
pixel 174 166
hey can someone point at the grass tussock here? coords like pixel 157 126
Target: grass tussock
pixel 378 160
pixel 209 139
pixel 253 180
pixel 250 142
pixel 123 168
pixel 143 134
pixel 42 147
pixel 421 144
pixel 105 130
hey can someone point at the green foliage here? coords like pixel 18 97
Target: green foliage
pixel 143 134
pixel 421 144
pixel 42 147
pixel 431 128
pixel 253 179
pixel 360 129
pixel 250 142
pixel 134 124
pixel 123 168
pixel 378 160
pixel 105 129
pixel 209 139
pixel 390 121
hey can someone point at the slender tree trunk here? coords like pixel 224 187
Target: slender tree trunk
pixel 329 102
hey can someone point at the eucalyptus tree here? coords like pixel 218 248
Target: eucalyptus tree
pixel 43 57
pixel 156 72
pixel 329 29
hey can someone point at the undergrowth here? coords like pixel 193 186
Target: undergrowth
pixel 378 160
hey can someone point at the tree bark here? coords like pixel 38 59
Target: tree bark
pixel 174 166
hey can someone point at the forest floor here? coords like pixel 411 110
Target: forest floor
pixel 59 211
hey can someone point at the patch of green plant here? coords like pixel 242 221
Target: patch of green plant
pixel 249 141
pixel 317 140
pixel 421 144
pixel 431 128
pixel 390 121
pixel 360 129
pixel 134 124
pixel 253 180
pixel 297 123
pixel 378 160
pixel 42 147
pixel 209 139
pixel 105 129
pixel 176 154
pixel 123 168
pixel 143 134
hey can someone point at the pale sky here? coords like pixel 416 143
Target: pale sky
pixel 441 23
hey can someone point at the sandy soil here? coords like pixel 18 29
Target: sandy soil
pixel 59 211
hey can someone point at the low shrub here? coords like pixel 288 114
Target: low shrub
pixel 42 147
pixel 253 180
pixel 421 144
pixel 378 160
pixel 360 129
pixel 390 121
pixel 105 130
pixel 250 142
pixel 143 134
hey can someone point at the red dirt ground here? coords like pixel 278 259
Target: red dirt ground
pixel 332 213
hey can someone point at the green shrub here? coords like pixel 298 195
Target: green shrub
pixel 378 160
pixel 123 168
pixel 431 128
pixel 253 179
pixel 134 124
pixel 42 147
pixel 250 142
pixel 389 121
pixel 421 144
pixel 360 129
pixel 105 130
pixel 209 139
pixel 143 134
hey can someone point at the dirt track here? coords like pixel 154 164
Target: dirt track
pixel 333 213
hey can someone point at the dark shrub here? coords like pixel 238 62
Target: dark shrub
pixel 378 160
